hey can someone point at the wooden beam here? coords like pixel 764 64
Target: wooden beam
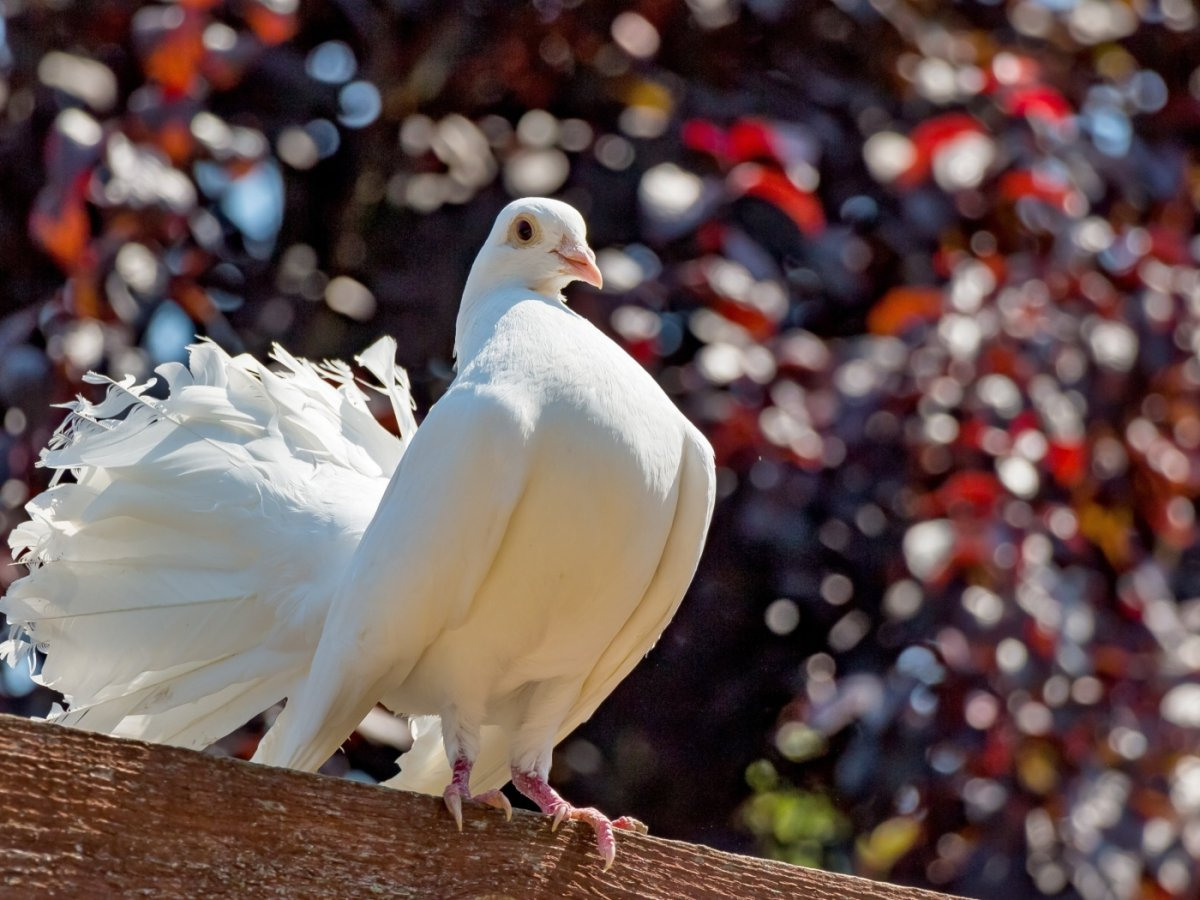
pixel 85 815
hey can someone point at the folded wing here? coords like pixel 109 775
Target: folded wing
pixel 425 768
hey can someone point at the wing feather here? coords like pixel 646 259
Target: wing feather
pixel 418 567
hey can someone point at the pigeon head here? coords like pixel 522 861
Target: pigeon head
pixel 539 244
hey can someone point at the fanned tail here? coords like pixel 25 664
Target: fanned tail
pixel 178 584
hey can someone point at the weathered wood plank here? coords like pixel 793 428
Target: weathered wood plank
pixel 83 815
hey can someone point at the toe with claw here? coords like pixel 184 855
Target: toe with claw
pixel 459 790
pixel 455 794
pixel 548 800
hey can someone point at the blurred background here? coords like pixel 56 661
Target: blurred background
pixel 925 273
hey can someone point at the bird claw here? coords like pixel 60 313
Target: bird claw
pixel 560 814
pixel 606 842
pixel 454 803
pixel 497 800
pixel 534 786
pixel 454 796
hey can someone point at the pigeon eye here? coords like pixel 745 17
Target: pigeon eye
pixel 523 231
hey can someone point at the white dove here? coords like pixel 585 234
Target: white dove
pixel 256 536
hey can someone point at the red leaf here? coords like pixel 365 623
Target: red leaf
pixel 60 226
pixel 774 187
pixel 970 491
pixel 1067 461
pixel 748 316
pixel 175 59
pixel 1026 183
pixel 705 137
pixel 1039 102
pixel 750 139
pixel 903 307
pixel 271 27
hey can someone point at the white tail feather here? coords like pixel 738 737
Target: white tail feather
pixel 178 584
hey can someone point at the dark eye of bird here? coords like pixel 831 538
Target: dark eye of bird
pixel 524 230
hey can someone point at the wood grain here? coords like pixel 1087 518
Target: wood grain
pixel 84 815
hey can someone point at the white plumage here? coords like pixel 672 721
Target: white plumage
pixel 257 535
pixel 179 583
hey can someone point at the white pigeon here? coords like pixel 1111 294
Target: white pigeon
pixel 493 574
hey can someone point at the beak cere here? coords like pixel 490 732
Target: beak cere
pixel 580 262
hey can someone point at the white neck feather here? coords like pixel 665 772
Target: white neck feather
pixel 489 291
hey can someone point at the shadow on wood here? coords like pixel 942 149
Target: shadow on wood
pixel 84 815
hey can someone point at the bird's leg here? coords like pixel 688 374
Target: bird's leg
pixel 459 790
pixel 536 788
pixel 461 747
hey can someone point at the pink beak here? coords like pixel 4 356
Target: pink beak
pixel 580 262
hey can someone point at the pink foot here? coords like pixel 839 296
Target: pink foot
pixel 552 804
pixel 459 790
